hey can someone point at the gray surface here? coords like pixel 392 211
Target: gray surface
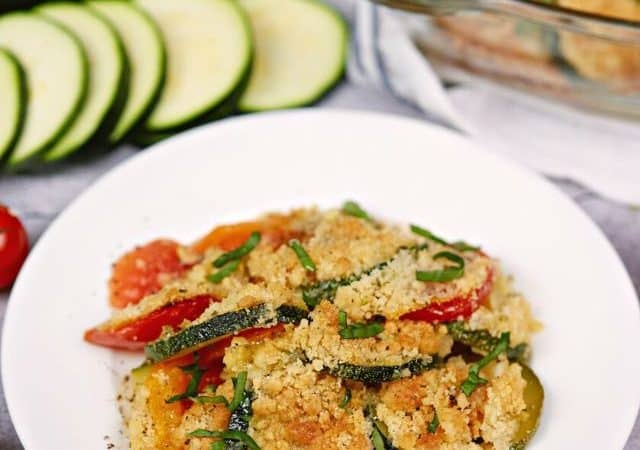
pixel 39 198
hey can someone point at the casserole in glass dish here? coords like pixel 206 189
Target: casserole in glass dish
pixel 581 52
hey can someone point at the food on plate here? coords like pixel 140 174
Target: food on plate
pixel 323 329
pixel 14 246
pixel 141 71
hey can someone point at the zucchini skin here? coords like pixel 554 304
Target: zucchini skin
pixel 373 375
pixel 225 324
pixel 485 341
pixel 22 106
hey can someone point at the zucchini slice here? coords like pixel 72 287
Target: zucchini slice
pixel 56 75
pixel 209 49
pixel 301 48
pixel 484 341
pixel 13 95
pixel 372 375
pixel 226 324
pixel 533 398
pixel 107 76
pixel 145 52
pixel 239 421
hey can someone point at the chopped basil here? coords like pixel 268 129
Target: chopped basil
pixel 302 255
pixel 217 445
pixel 232 435
pixel 377 439
pixel 474 379
pixel 239 252
pixel 218 399
pixel 461 246
pixel 485 341
pixel 224 272
pixel 238 392
pixel 434 424
pixel 357 330
pixel 446 274
pixel 192 388
pixel 351 208
pixel 346 399
pixel 427 234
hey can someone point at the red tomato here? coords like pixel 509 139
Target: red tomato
pixel 134 336
pixel 143 271
pixel 455 308
pixel 14 246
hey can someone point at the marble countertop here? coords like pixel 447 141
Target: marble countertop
pixel 38 198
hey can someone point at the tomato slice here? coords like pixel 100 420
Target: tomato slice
pixel 455 308
pixel 134 336
pixel 14 246
pixel 228 237
pixel 143 271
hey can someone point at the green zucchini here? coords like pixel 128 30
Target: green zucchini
pixel 146 54
pixel 529 419
pixel 301 49
pixel 484 341
pixel 372 375
pixel 108 77
pixel 56 75
pixel 210 51
pixel 226 324
pixel 312 294
pixel 12 107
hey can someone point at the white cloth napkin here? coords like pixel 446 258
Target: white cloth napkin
pixel 599 152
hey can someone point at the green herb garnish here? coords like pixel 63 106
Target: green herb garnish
pixel 485 341
pixel 218 399
pixel 224 272
pixel 434 424
pixel 446 274
pixel 351 208
pixel 474 379
pixel 217 445
pixel 461 246
pixel 239 252
pixel 302 255
pixel 192 388
pixel 240 436
pixel 238 392
pixel 377 439
pixel 346 399
pixel 357 330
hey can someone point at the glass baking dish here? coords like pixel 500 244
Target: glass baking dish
pixel 582 58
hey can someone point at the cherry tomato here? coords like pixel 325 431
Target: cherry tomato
pixel 14 246
pixel 143 271
pixel 455 308
pixel 134 336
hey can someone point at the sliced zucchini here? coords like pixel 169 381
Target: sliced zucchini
pixel 205 333
pixel 56 76
pixel 209 49
pixel 13 95
pixel 239 421
pixel 147 61
pixel 312 294
pixel 372 375
pixel 484 341
pixel 301 48
pixel 107 76
pixel 533 398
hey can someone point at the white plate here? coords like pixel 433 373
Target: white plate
pixel 60 391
